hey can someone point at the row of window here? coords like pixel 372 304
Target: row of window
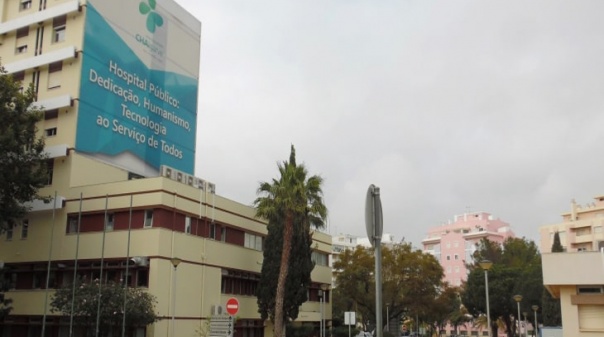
pixel 245 283
pixel 58 35
pixel 54 76
pixel 455 257
pixel 36 276
pixel 147 218
pixel 31 326
pixel 24 230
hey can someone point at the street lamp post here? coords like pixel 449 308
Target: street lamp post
pixel 486 265
pixel 387 319
pixel 535 328
pixel 518 298
pixel 321 312
pixel 324 289
pixel 175 262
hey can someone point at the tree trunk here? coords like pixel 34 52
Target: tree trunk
pixel 283 269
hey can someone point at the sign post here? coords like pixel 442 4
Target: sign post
pixel 374 226
pixel 349 319
pixel 222 325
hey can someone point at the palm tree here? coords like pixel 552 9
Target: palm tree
pixel 292 200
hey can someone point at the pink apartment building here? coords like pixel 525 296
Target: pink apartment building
pixel 454 243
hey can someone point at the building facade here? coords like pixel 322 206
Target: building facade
pixel 119 97
pixel 576 276
pixel 577 280
pixel 580 229
pixel 454 243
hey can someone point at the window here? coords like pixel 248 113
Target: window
pixel 223 234
pixel 142 278
pixel 72 224
pixel 11 280
pixel 448 257
pixel 58 27
pixel 109 222
pixel 59 34
pixel 24 229
pixel 51 114
pixel 590 317
pixel 212 231
pixel 589 290
pixel 9 233
pixel 148 218
pixel 25 5
pixel 21 41
pixel 39 280
pixel 50 168
pixel 54 75
pixel 253 241
pixel 134 176
pixel 188 225
pixel 456 257
pixel 50 132
pixel 319 259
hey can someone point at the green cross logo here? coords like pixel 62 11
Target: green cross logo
pixel 153 19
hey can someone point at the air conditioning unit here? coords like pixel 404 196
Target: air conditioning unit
pixel 212 188
pixel 141 261
pixel 217 310
pixel 180 177
pixel 166 171
pixel 200 183
pixel 189 179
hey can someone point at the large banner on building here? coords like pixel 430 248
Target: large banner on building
pixel 139 83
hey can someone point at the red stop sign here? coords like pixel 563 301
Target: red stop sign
pixel 232 306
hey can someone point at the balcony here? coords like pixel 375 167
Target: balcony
pixel 569 269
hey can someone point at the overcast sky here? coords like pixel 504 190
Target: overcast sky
pixel 447 106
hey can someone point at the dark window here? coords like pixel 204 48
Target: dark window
pixel 212 231
pixel 109 222
pixel 51 114
pixel 25 5
pixel 54 75
pixel 21 49
pixel 22 32
pixel 58 26
pixel 148 218
pixel 24 229
pixel 142 278
pixel 50 132
pixel 9 233
pixel 50 167
pixel 19 76
pixel 134 176
pixel 72 224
